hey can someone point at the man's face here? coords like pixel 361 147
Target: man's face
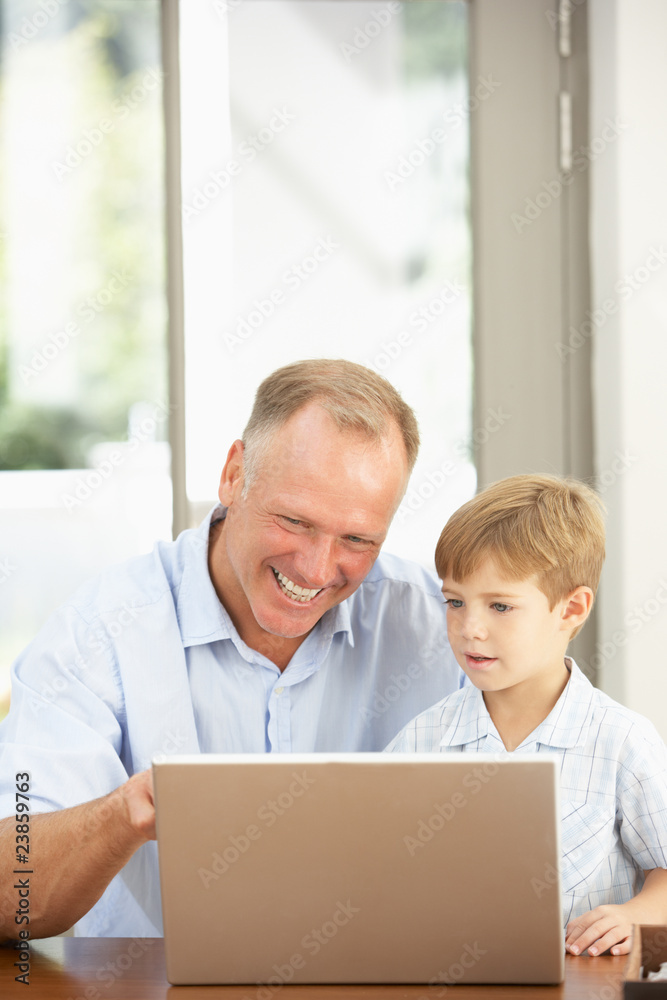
pixel 310 527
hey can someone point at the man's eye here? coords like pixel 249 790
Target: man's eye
pixel 354 538
pixel 501 608
pixel 291 520
pixel 453 602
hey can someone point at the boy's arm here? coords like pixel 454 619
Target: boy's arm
pixel 610 925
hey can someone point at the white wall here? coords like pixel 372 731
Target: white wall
pixel 629 274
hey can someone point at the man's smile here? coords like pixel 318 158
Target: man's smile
pixel 292 590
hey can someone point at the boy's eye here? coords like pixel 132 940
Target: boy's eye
pixel 501 608
pixel 453 602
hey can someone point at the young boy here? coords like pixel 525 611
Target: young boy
pixel 520 564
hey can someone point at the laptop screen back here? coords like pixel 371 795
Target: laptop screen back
pixel 360 868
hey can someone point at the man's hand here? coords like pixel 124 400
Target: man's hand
pixel 137 795
pixel 77 851
pixel 598 930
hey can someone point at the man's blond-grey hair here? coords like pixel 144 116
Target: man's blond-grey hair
pixel 356 398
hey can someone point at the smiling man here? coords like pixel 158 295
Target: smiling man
pixel 277 625
pixel 301 539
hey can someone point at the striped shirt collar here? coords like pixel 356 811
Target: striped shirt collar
pixel 563 728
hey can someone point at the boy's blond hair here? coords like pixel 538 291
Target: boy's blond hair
pixel 541 526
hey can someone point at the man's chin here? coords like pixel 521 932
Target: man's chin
pixel 284 627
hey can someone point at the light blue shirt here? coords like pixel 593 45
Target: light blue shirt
pixel 144 660
pixel 613 782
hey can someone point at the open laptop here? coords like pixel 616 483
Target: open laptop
pixel 360 868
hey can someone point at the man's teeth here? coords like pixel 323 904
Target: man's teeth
pixel 293 590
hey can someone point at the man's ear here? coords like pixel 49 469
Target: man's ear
pixel 231 480
pixel 576 608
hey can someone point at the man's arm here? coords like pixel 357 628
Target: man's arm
pixel 74 854
pixel 610 925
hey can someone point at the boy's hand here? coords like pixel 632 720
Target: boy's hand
pixel 610 926
pixel 605 927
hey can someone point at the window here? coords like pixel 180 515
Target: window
pixel 325 214
pixel 84 459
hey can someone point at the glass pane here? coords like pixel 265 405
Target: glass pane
pixel 83 319
pixel 325 186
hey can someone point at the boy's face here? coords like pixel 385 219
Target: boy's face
pixel 502 631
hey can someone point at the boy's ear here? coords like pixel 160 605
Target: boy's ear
pixel 576 608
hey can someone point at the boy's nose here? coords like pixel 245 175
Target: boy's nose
pixel 473 628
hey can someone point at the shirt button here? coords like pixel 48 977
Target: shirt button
pixel 279 690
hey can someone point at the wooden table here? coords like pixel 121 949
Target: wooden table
pixel 133 969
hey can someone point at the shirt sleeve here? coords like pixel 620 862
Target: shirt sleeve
pixel 65 723
pixel 642 797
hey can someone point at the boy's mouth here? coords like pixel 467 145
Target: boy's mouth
pixel 476 660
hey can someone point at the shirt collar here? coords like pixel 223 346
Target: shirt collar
pixel 201 616
pixel 472 721
pixel 564 727
pixel 566 724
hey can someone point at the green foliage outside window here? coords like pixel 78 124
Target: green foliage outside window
pixel 114 237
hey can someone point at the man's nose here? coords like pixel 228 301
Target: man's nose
pixel 317 561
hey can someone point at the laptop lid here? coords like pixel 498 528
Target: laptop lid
pixel 360 868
